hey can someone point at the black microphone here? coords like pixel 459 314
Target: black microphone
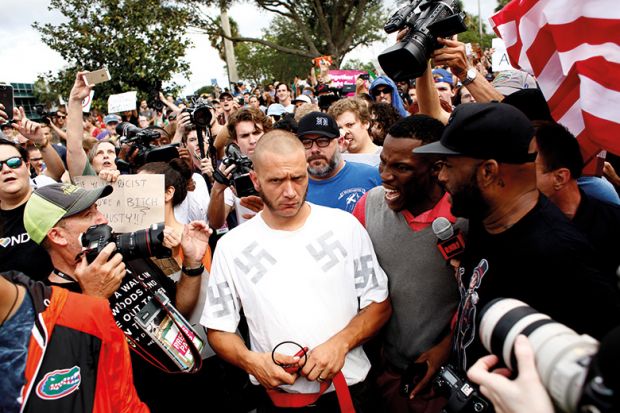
pixel 450 242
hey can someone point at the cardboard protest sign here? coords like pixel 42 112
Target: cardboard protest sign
pixel 499 59
pixel 136 202
pixel 122 102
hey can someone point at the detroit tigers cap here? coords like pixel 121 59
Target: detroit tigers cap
pixel 318 123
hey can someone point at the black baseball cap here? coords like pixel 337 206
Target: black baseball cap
pixel 318 123
pixel 485 131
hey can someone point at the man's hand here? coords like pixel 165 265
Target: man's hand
pixel 80 89
pixel 194 242
pixel 183 121
pixel 325 360
pixel 453 55
pixel 526 393
pixel 269 374
pixel 29 129
pixel 172 238
pixel 252 202
pixel 206 167
pixel 109 175
pixel 3 116
pixel 104 275
pixel 434 358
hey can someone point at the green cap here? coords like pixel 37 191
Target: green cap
pixel 49 204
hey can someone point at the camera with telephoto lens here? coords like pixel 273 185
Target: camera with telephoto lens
pixel 141 149
pixel 408 58
pixel 200 112
pixel 240 176
pixel 144 243
pixel 569 364
pixel 461 394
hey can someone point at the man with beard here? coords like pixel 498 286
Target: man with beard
pixel 333 182
pixel 398 217
pixel 519 245
pixel 305 282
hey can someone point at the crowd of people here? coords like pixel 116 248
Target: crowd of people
pixel 299 221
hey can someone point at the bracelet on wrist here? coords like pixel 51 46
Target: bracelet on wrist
pixel 193 272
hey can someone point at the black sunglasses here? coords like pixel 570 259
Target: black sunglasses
pixel 384 90
pixel 13 162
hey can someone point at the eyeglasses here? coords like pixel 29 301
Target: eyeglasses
pixel 320 142
pixel 61 116
pixel 382 91
pixel 35 159
pixel 227 99
pixel 13 162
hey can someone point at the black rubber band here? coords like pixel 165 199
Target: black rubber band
pixel 276 362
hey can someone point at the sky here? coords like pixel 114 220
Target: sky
pixel 23 55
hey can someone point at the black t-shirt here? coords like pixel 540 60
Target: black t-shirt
pixel 600 222
pixel 17 251
pixel 546 262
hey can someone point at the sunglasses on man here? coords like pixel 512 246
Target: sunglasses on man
pixel 320 142
pixel 382 91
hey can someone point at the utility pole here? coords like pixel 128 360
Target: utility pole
pixel 229 51
pixel 479 21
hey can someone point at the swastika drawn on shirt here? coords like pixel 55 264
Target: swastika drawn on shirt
pixel 224 298
pixel 364 272
pixel 254 262
pixel 327 249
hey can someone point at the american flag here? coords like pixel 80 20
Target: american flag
pixel 573 49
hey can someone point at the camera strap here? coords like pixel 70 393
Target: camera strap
pixel 184 328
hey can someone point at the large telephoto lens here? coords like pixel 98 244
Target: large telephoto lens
pixel 143 243
pixel 562 356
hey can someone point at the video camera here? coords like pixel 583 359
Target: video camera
pixel 200 112
pixel 141 148
pixel 144 243
pixel 240 176
pixel 45 115
pixel 408 58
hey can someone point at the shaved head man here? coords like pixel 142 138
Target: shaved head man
pixel 259 267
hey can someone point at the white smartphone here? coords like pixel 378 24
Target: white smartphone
pixel 97 76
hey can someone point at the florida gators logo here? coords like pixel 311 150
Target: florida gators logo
pixel 59 383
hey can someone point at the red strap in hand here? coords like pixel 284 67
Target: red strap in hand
pixel 282 399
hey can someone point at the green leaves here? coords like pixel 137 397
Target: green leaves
pixel 142 42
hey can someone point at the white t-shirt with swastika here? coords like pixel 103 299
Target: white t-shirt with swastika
pixel 304 285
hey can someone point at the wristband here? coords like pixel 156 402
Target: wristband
pixel 193 272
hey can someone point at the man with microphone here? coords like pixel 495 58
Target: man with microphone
pixel 404 218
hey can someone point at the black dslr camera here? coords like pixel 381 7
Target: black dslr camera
pixel 43 114
pixel 141 149
pixel 144 243
pixel 408 58
pixel 240 176
pixel 461 394
pixel 200 112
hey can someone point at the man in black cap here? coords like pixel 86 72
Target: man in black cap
pixel 519 245
pixel 332 182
